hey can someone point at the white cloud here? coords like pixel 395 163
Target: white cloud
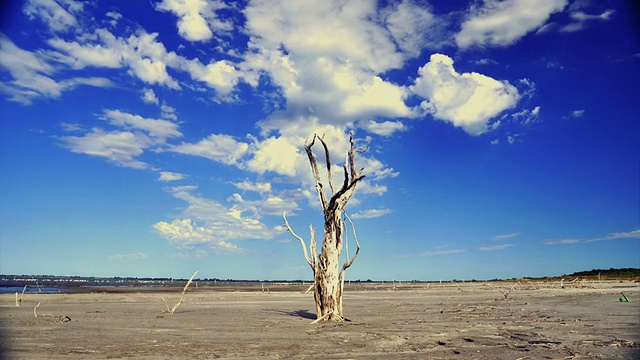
pixel 634 234
pixel 171 176
pixel 128 257
pixel 196 18
pixel 80 56
pixel 526 116
pixel 153 72
pixel 581 19
pixel 219 75
pixel 382 128
pixel 577 113
pixel 156 128
pixel 495 247
pixel 33 75
pixel 208 223
pixel 184 233
pixel 71 127
pixel 221 148
pixel 502 23
pixel 467 100
pixel 581 16
pixel 115 16
pixel 120 147
pixel 58 15
pixel 326 57
pixel 149 97
pixel 413 27
pixel 506 236
pixel 123 147
pixel 168 112
pixel 371 213
pixel 275 205
pixel 562 242
pixel 486 61
pixel 435 253
pixel 278 155
pixel 374 97
pixel 259 187
pixel 384 173
pixel 142 54
pixel 368 188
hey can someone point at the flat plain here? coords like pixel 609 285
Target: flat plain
pixel 479 320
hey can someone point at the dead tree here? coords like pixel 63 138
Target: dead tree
pixel 327 273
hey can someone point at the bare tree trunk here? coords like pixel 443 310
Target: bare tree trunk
pixel 328 275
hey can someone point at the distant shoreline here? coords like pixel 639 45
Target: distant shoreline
pixel 84 284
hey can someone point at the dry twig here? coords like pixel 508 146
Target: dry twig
pixel 184 291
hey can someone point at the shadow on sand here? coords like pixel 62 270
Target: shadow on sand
pixel 305 314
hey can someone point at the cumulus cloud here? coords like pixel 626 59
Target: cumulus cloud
pixel 149 97
pixel 275 205
pixel 141 54
pixel 184 233
pixel 156 128
pixel 326 57
pixel 369 188
pixel 382 128
pixel 119 147
pixel 196 18
pixel 278 155
pixel 209 223
pixel 328 62
pixel 259 187
pixel 502 23
pixel 221 75
pixel 217 147
pixel 467 100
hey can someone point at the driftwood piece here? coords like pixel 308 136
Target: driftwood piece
pixel 184 291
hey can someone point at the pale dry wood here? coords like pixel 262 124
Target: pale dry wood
pixel 184 291
pixel 506 293
pixel 58 318
pixel 328 276
pixel 19 300
pixel 304 246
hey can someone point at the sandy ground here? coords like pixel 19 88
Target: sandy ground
pixel 441 321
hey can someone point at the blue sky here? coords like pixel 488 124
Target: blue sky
pixel 156 138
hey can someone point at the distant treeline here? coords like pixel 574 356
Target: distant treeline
pixel 625 272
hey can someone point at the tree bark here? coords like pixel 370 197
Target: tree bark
pixel 328 275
